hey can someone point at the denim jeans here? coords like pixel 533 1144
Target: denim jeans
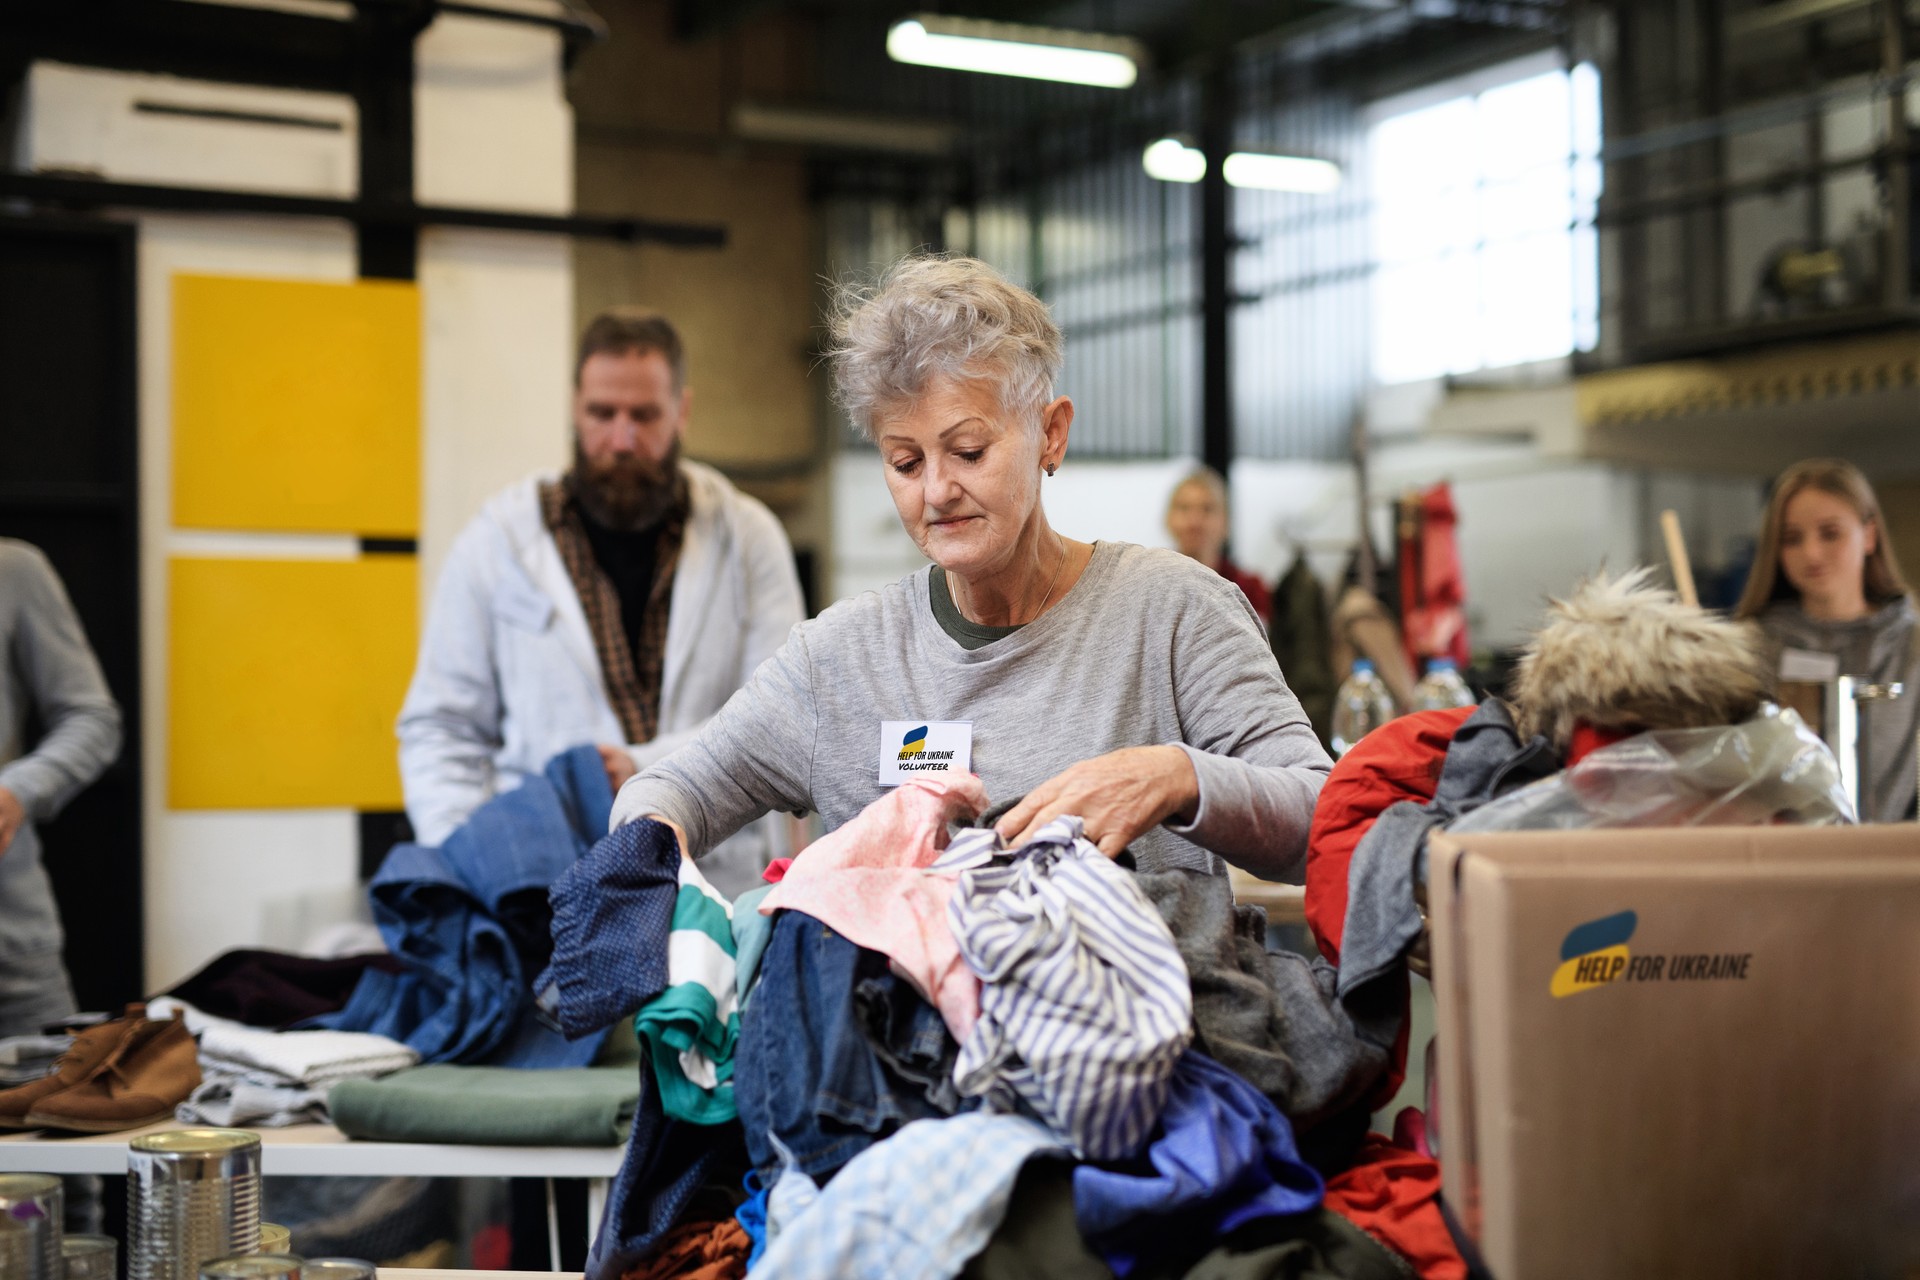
pixel 804 1070
pixel 910 1038
pixel 469 923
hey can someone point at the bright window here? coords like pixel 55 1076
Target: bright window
pixel 1483 225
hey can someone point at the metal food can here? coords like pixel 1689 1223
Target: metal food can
pixel 193 1195
pixel 337 1269
pixel 253 1266
pixel 31 1208
pixel 91 1257
pixel 275 1238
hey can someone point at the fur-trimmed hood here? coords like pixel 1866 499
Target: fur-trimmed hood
pixel 1626 654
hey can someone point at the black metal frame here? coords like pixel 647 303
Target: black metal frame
pixel 1216 265
pixel 369 57
pixel 89 193
pixel 1672 176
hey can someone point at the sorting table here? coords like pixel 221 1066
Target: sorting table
pixel 320 1150
pixel 1285 903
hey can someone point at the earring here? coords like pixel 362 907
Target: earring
pixel 1052 467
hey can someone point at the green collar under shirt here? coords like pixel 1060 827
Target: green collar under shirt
pixel 966 633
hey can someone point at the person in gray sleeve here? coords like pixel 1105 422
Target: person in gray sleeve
pixel 1129 686
pixel 50 672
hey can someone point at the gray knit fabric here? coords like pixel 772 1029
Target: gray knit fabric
pixel 1270 1017
pixel 1149 647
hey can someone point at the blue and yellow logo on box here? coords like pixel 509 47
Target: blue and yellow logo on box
pixel 1594 954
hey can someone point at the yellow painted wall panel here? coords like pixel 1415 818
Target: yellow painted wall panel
pixel 285 677
pixel 296 405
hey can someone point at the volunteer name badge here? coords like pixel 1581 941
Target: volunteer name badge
pixel 1808 665
pixel 910 748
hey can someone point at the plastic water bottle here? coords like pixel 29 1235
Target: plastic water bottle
pixel 1361 706
pixel 1441 689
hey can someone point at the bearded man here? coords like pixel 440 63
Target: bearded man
pixel 620 603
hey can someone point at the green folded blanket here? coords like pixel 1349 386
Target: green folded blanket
pixel 491 1106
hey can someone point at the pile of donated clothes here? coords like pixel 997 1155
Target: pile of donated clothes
pixel 921 1054
pixel 918 1054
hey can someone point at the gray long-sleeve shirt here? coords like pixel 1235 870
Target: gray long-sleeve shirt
pixel 1149 647
pixel 48 670
pixel 1882 648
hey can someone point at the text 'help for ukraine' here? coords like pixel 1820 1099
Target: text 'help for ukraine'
pixel 1596 954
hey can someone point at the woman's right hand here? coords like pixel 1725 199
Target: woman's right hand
pixel 1117 796
pixel 679 832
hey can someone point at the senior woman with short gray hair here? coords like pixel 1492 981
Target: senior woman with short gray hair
pixel 1125 685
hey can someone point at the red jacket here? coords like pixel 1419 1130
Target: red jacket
pixel 1392 1194
pixel 1398 761
pixel 1255 590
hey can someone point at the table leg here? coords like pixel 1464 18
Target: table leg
pixel 596 1206
pixel 553 1227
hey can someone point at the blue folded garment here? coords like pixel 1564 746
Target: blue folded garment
pixel 469 923
pixel 612 911
pixel 1222 1156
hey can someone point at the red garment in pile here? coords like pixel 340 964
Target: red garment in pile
pixel 1398 761
pixel 1433 590
pixel 1393 1195
pixel 1401 760
pixel 1255 590
pixel 699 1251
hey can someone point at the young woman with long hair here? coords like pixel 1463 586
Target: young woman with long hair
pixel 1825 583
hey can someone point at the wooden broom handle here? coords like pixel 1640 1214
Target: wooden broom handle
pixel 1677 556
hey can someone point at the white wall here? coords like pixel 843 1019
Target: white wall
pixel 1126 501
pixel 492 129
pixel 209 875
pixel 870 549
pixel 1531 526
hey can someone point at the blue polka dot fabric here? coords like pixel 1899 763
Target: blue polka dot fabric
pixel 611 913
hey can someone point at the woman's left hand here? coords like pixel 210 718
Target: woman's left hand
pixel 1118 796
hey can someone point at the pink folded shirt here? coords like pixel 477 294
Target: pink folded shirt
pixel 869 882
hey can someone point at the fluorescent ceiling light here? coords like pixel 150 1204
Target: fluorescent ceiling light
pixel 1281 173
pixel 1173 160
pixel 1012 49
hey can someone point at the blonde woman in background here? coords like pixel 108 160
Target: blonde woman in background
pixel 1197 521
pixel 1827 591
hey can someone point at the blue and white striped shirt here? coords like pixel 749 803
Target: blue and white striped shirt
pixel 1085 1004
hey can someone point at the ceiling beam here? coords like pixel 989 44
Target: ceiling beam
pixel 227 43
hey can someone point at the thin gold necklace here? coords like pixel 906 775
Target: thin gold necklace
pixel 1062 564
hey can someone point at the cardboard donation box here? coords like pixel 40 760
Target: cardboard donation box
pixel 1681 1053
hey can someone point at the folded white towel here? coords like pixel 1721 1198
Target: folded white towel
pixel 295 1057
pixel 161 1008
pixel 304 1057
pixel 227 1101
